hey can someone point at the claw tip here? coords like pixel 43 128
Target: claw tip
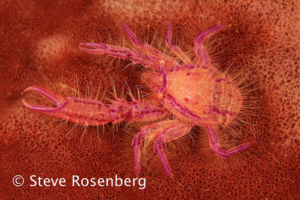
pixel 26 104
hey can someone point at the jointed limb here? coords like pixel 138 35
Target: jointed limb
pixel 138 140
pixel 166 131
pixel 148 49
pixel 120 52
pixel 92 112
pixel 167 135
pixel 215 144
pixel 198 43
pixel 175 49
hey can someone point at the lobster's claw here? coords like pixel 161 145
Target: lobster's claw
pixel 92 112
pixel 55 98
pixel 80 110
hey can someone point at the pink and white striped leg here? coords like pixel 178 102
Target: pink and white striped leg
pixel 138 140
pixel 215 144
pixel 148 49
pixel 168 135
pixel 119 52
pixel 175 49
pixel 198 43
pixel 166 131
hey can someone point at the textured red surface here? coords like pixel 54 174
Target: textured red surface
pixel 39 46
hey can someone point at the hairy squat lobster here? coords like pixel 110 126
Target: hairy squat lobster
pixel 195 93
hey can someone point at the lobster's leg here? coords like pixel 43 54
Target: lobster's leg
pixel 175 49
pixel 199 47
pixel 215 145
pixel 148 49
pixel 120 52
pixel 167 135
pixel 87 111
pixel 145 132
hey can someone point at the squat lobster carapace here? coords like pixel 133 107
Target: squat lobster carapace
pixel 196 94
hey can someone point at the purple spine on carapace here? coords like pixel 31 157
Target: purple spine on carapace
pixel 223 112
pixel 183 110
pixel 163 72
